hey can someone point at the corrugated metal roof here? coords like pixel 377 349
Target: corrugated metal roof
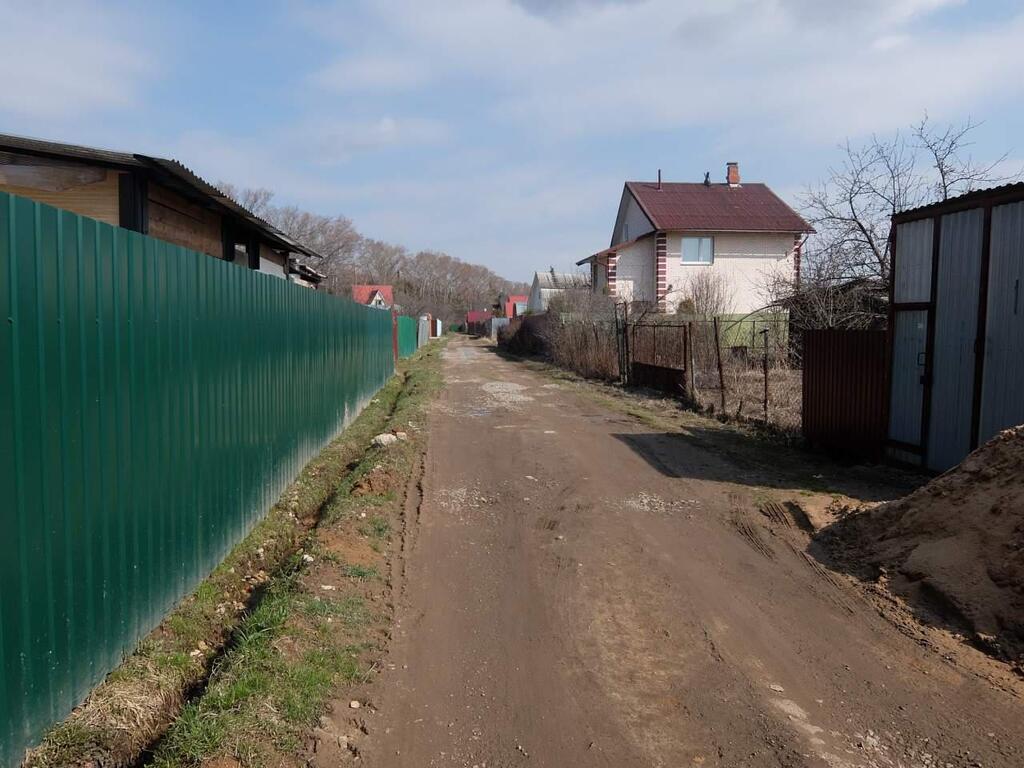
pixel 1002 194
pixel 173 168
pixel 59 149
pixel 197 182
pixel 562 280
pixel 715 207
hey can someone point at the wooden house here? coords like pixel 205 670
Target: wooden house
pixel 152 195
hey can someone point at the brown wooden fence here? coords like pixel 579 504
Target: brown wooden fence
pixel 845 390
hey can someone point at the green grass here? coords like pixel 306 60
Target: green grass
pixel 378 527
pixel 256 689
pixel 360 572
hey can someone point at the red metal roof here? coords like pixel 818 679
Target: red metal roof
pixel 715 207
pixel 478 315
pixel 364 293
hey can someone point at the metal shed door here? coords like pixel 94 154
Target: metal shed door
pixel 1002 391
pixel 956 325
pixel 908 349
pixel 911 294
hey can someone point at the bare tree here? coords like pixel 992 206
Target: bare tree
pixel 851 210
pixel 956 172
pixel 428 281
pixel 257 200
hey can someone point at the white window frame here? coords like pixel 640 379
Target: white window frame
pixel 682 250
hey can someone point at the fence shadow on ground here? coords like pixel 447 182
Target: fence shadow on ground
pixel 705 449
pixel 717 454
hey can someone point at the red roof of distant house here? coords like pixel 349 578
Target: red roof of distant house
pixel 716 207
pixel 478 315
pixel 364 293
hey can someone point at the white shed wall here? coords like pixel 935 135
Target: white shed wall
pixel 535 303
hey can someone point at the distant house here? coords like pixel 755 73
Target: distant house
pixel 513 305
pixel 547 285
pixel 665 234
pixel 152 195
pixel 380 296
pixel 478 316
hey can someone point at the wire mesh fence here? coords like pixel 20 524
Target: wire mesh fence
pixel 746 368
pixel 742 367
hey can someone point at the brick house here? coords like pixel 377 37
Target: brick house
pixel 666 233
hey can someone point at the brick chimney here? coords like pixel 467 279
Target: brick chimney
pixel 732 174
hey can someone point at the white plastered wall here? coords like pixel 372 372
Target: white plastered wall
pixel 635 273
pixel 747 261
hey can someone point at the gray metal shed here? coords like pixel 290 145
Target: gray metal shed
pixel 956 325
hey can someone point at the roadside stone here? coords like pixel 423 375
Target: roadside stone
pixel 384 440
pixel 354 704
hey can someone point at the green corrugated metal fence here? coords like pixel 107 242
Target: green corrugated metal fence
pixel 407 328
pixel 154 403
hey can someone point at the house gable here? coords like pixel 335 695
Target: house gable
pixel 374 295
pixel 631 222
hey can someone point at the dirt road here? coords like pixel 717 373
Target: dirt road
pixel 582 590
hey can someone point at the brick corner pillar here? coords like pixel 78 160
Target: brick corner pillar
pixel 611 271
pixel 798 243
pixel 661 262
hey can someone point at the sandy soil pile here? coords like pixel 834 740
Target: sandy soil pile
pixel 954 548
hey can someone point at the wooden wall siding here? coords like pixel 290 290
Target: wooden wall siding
pixel 97 200
pixel 176 220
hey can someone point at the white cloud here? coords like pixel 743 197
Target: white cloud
pixel 823 68
pixel 68 59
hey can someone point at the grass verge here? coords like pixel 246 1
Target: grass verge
pixel 322 627
pixel 238 610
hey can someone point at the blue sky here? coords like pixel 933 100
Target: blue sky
pixel 501 131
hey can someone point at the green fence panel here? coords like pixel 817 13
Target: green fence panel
pixel 154 403
pixel 407 331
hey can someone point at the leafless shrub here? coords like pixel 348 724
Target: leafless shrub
pixel 705 294
pixel 576 333
pixel 580 334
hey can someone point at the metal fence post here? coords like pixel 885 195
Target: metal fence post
pixel 718 359
pixel 765 366
pixel 691 375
